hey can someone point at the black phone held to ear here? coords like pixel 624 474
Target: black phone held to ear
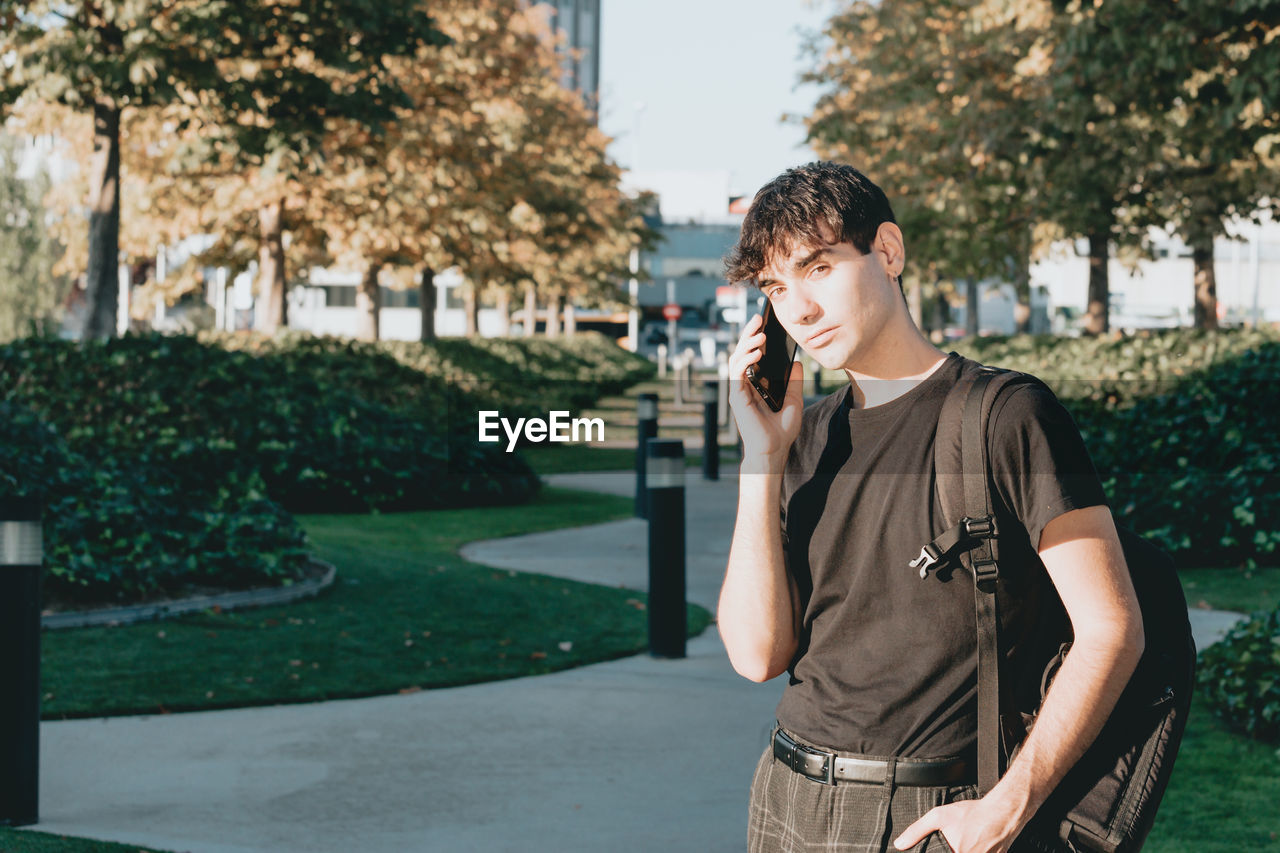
pixel 770 374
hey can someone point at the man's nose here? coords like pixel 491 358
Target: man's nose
pixel 804 309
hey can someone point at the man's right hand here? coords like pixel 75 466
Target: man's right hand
pixel 767 435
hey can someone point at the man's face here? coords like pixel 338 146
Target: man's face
pixel 832 299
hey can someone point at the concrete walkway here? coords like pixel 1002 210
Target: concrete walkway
pixel 632 755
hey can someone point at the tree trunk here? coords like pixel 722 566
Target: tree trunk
pixel 530 310
pixel 570 319
pixel 1206 280
pixel 915 301
pixel 427 301
pixel 972 296
pixel 554 307
pixel 103 280
pixel 1097 315
pixel 1022 287
pixel 504 312
pixel 275 313
pixel 471 309
pixel 368 304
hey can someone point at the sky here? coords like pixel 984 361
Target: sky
pixel 714 77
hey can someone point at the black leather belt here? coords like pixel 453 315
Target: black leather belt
pixel 828 768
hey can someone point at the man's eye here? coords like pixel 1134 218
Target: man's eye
pixel 819 269
pixel 773 294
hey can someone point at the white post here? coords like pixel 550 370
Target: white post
pixel 220 299
pixel 1256 259
pixel 122 300
pixel 633 316
pixel 162 270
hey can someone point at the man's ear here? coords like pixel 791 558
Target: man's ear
pixel 889 247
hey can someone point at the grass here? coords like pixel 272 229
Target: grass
pixel 27 841
pixel 1223 794
pixel 407 613
pixel 1244 591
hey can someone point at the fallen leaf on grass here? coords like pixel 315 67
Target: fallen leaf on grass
pixel 538 656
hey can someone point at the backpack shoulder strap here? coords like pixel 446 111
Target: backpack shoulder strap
pixel 964 493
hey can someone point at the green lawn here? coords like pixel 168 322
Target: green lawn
pixel 1223 795
pixel 1244 591
pixel 406 613
pixel 27 841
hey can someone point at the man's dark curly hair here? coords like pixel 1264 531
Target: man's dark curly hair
pixel 798 206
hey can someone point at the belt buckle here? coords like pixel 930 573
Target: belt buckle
pixel 828 770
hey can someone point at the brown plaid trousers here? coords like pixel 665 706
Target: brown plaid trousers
pixel 790 813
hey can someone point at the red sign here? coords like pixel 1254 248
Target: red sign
pixel 671 311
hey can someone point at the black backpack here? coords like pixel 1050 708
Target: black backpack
pixel 1108 800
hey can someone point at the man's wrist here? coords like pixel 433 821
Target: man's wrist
pixel 764 463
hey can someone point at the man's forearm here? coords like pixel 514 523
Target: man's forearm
pixel 1083 695
pixel 757 611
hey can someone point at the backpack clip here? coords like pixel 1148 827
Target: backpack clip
pixel 928 558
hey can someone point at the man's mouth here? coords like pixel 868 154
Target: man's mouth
pixel 821 337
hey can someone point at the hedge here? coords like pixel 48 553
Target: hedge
pixel 1183 427
pixel 173 461
pixel 1240 677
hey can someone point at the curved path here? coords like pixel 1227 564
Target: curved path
pixel 632 755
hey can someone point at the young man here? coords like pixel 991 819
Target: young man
pixel 882 663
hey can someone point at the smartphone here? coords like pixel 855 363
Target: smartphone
pixel 769 375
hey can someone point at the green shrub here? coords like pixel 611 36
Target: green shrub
pixel 1240 677
pixel 1183 427
pixel 115 532
pixel 327 427
pixel 170 461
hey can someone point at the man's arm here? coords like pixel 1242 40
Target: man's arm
pixel 758 613
pixel 1082 554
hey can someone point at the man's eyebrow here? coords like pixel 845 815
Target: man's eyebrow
pixel 807 260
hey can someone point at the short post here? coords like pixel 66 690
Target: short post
pixel 662 361
pixel 667 617
pixel 646 428
pixel 817 378
pixel 21 554
pixel 710 430
pixel 678 365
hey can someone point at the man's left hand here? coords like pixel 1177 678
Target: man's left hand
pixel 968 826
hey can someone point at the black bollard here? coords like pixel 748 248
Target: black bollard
pixel 21 553
pixel 667 617
pixel 817 379
pixel 710 430
pixel 646 428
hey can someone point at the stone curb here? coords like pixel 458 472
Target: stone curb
pixel 224 601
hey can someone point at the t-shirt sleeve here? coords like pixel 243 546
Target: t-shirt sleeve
pixel 1039 464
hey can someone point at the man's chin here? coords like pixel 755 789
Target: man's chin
pixel 826 357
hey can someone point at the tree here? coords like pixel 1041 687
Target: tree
pixel 936 102
pixel 30 293
pixel 998 129
pixel 1201 76
pixel 260 78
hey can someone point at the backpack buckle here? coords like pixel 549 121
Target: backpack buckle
pixel 928 558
